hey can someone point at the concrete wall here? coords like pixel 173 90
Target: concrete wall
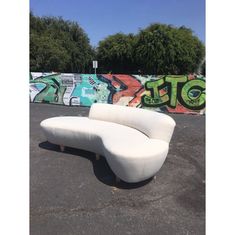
pixel 168 93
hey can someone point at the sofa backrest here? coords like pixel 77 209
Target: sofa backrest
pixel 153 124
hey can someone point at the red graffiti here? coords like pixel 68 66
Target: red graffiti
pixel 129 85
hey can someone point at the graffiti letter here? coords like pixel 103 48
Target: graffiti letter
pixel 174 80
pixel 155 99
pixel 193 94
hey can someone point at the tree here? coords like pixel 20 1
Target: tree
pixel 58 45
pixel 164 49
pixel 47 55
pixel 157 49
pixel 115 53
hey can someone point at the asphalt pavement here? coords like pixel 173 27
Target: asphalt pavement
pixel 72 193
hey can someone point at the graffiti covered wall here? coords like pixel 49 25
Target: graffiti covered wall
pixel 168 93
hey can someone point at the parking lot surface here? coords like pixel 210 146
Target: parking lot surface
pixel 72 193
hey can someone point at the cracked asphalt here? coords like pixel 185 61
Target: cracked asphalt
pixel 72 193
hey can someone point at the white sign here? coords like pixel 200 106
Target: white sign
pixel 95 64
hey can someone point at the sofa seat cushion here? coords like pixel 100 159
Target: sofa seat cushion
pixel 88 134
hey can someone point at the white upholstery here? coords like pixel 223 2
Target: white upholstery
pixel 155 125
pixel 134 141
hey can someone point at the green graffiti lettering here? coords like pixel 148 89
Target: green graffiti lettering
pixel 155 99
pixel 174 80
pixel 153 85
pixel 193 94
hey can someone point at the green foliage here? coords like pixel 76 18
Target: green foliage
pixel 58 45
pixel 203 68
pixel 157 49
pixel 115 53
pixel 62 46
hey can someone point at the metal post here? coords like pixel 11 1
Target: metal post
pixel 95 65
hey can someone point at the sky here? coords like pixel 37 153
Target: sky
pixel 101 18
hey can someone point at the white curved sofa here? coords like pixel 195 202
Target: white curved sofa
pixel 134 141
